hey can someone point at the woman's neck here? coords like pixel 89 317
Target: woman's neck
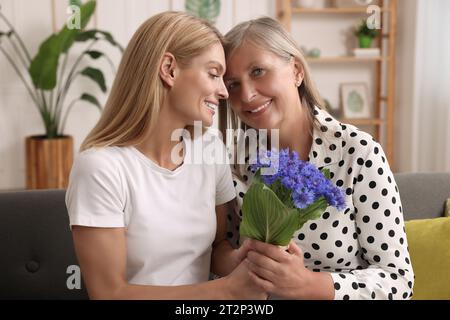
pixel 158 146
pixel 295 134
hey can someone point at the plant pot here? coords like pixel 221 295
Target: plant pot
pixel 48 162
pixel 365 41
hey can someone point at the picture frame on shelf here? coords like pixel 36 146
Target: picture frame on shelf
pixel 355 100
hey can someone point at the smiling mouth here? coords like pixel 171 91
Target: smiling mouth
pixel 211 107
pixel 260 109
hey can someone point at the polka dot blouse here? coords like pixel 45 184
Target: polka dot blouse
pixel 364 248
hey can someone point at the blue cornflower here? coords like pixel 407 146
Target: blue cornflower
pixel 302 180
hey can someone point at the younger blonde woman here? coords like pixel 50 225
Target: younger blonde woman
pixel 146 224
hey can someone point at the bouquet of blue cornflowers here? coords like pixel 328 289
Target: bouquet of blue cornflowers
pixel 277 205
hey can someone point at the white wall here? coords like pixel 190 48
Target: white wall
pixel 406 138
pixel 423 100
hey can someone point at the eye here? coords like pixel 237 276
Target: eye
pixel 214 76
pixel 232 85
pixel 257 72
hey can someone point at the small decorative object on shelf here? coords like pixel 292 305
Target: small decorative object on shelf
pixel 313 53
pixel 367 52
pixel 317 4
pixel 365 34
pixel 355 103
pixel 351 3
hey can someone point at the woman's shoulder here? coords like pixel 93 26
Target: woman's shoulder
pixel 99 159
pixel 351 136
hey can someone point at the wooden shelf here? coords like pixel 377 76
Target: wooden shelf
pixel 344 59
pixel 333 10
pixel 384 86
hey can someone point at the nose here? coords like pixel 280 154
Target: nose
pixel 247 92
pixel 222 91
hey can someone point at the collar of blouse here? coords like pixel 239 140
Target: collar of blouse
pixel 328 141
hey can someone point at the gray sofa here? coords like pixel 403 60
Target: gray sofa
pixel 37 249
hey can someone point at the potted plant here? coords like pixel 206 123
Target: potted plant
pixel 205 9
pixel 365 34
pixel 50 155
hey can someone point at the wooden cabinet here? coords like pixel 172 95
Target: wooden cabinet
pixel 383 109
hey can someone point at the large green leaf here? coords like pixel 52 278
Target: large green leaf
pixel 93 100
pixel 68 35
pixel 266 218
pixel 94 54
pixel 86 35
pixel 94 34
pixel 8 34
pixel 206 9
pixel 96 75
pixel 44 66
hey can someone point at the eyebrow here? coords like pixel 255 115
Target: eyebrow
pixel 217 64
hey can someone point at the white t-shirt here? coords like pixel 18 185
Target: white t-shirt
pixel 169 216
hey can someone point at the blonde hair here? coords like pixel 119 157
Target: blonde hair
pixel 269 34
pixel 133 106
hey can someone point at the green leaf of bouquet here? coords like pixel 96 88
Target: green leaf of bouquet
pixel 257 176
pixel 266 218
pixel 326 173
pixel 312 212
pixel 96 75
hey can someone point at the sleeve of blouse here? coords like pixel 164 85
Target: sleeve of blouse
pixel 234 217
pixel 381 234
pixel 224 181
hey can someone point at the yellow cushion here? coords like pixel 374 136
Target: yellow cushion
pixel 429 247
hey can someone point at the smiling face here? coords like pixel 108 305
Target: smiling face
pixel 262 86
pixel 198 87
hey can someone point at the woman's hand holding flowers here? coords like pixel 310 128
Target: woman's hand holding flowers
pixel 283 273
pixel 278 271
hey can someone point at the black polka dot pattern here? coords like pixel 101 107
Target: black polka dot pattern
pixel 364 248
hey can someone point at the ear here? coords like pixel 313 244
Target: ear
pixel 168 69
pixel 299 71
